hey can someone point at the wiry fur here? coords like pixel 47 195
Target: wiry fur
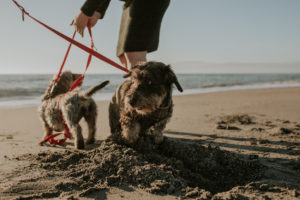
pixel 74 105
pixel 143 104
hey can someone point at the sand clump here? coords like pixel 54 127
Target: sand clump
pixel 243 119
pixel 277 127
pixel 176 167
pixel 226 121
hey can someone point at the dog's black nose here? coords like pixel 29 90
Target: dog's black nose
pixel 132 101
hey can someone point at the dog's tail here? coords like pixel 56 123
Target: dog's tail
pixel 95 88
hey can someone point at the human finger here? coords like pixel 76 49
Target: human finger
pixel 81 31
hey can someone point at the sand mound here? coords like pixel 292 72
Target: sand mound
pixel 175 167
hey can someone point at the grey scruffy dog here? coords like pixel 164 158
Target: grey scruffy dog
pixel 143 103
pixel 74 106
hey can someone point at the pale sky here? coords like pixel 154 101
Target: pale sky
pixel 211 36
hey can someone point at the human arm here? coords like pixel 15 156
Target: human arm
pixel 91 11
pixel 90 6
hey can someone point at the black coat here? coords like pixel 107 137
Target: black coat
pixel 140 24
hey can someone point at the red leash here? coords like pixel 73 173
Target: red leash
pixel 91 52
pixel 50 138
pixel 71 40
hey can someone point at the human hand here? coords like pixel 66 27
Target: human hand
pixel 80 22
pixel 94 18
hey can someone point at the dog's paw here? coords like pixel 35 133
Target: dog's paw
pixel 130 140
pixel 90 141
pixel 79 145
pixel 130 134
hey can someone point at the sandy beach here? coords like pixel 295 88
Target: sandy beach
pixel 259 128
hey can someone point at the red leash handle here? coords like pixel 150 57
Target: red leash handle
pixel 64 61
pixel 79 79
pixel 79 45
pixel 50 138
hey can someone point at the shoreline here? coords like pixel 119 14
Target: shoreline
pixel 35 101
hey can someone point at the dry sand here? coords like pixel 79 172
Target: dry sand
pixel 225 145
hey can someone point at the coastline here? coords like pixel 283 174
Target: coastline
pixel 23 102
pixel 195 117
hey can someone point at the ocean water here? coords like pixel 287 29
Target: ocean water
pixel 26 90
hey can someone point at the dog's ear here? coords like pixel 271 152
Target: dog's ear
pixel 50 91
pixel 178 85
pixel 170 76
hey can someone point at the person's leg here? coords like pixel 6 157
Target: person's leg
pixel 123 60
pixel 135 57
pixel 139 30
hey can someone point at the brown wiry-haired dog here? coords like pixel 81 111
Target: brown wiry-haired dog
pixel 143 104
pixel 74 106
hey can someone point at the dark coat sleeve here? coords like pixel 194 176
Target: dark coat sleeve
pixel 90 6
